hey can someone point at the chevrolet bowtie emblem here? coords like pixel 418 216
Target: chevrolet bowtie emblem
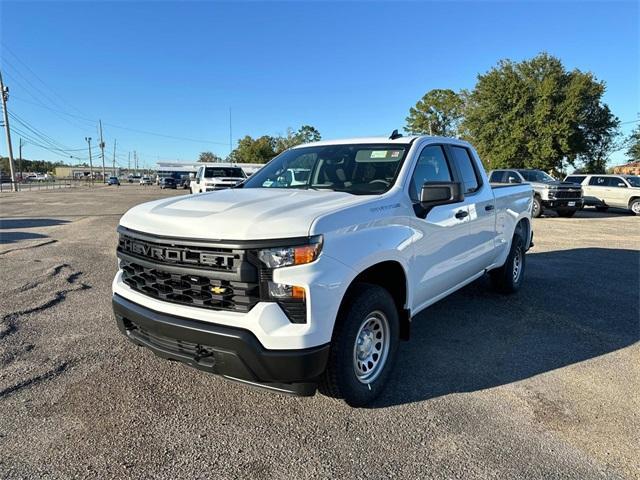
pixel 218 290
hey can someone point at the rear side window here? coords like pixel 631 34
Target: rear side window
pixel 496 177
pixel 467 171
pixel 432 166
pixel 598 181
pixel 574 179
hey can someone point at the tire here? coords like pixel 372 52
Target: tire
pixel 537 207
pixel 566 213
pixel 505 279
pixel 634 206
pixel 363 348
pixel 602 209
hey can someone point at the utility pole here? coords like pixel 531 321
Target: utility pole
pixel 20 158
pixel 88 139
pixel 230 134
pixel 102 148
pixel 135 161
pixel 114 157
pixel 4 93
pixel 129 164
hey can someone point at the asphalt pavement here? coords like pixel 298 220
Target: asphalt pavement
pixel 540 385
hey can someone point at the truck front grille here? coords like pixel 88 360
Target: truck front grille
pixel 190 289
pixel 568 194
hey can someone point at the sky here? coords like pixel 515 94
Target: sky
pixel 164 77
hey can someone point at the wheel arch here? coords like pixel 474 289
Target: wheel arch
pixel 390 275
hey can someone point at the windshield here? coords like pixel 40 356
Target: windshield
pixel 358 169
pixel 211 172
pixel 633 180
pixel 536 176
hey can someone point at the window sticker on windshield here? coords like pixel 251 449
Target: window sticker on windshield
pixel 378 154
pixel 395 154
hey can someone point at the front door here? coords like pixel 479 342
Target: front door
pixel 440 252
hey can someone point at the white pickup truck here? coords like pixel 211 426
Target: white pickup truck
pixel 300 286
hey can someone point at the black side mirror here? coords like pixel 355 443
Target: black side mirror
pixel 440 193
pixel 197 180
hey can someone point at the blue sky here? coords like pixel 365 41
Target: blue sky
pixel 350 69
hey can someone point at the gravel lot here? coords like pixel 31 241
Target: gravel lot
pixel 544 384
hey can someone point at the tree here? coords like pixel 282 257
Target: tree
pixel 633 145
pixel 209 157
pixel 305 134
pixel 439 112
pixel 250 150
pixel 263 149
pixel 536 114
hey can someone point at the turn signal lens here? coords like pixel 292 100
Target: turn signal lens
pixel 282 291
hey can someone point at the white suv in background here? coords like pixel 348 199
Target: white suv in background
pixel 211 177
pixel 604 191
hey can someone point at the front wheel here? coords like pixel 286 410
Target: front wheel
pixel 508 278
pixel 363 348
pixel 634 206
pixel 537 208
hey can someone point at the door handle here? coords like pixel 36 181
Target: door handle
pixel 460 214
pixel 488 208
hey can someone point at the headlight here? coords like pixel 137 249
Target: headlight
pixel 287 256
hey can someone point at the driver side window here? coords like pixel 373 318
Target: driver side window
pixel 432 166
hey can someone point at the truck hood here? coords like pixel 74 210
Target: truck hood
pixel 555 185
pixel 237 214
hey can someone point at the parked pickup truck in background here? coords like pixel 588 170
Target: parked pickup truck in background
pixel 210 178
pixel 563 197
pixel 604 191
pixel 291 287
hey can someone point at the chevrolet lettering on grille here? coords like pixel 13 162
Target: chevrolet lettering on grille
pixel 176 255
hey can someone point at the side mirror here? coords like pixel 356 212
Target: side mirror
pixel 621 184
pixel 440 193
pixel 197 180
pixel 513 180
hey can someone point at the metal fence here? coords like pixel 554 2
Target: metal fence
pixel 58 184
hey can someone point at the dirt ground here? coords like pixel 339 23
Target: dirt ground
pixel 543 384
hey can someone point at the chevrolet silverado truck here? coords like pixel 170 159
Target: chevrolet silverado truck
pixel 564 197
pixel 210 178
pixel 305 285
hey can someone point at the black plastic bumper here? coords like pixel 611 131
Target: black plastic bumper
pixel 234 353
pixel 577 203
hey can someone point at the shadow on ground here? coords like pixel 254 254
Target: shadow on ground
pixel 570 309
pixel 13 237
pixel 15 223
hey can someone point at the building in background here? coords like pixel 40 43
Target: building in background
pixel 631 168
pixel 84 172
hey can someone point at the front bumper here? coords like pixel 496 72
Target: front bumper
pixel 234 353
pixel 563 203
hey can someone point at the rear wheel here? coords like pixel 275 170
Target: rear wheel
pixel 566 213
pixel 508 278
pixel 537 207
pixel 634 206
pixel 363 348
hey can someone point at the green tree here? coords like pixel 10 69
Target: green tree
pixel 250 150
pixel 209 157
pixel 536 114
pixel 305 134
pixel 438 112
pixel 633 145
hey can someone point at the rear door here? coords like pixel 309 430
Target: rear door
pixel 479 199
